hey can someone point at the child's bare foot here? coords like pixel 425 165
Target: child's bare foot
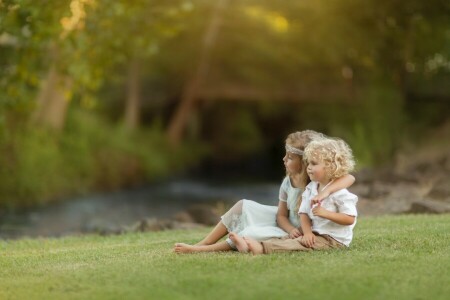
pixel 185 248
pixel 254 246
pixel 239 242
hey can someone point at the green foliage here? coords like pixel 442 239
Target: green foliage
pixel 85 46
pixel 39 165
pixel 391 257
pixel 30 34
pixel 375 132
pixel 310 48
pixel 235 134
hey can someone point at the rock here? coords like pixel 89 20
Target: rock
pixel 379 189
pixel 431 160
pixel 446 163
pixel 429 206
pixel 360 189
pixel 184 217
pixel 204 214
pixel 186 225
pixel 365 175
pixel 440 190
pixel 153 224
pixel 100 227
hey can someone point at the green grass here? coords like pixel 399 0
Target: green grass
pixel 392 257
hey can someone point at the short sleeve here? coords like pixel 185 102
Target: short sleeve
pixel 283 196
pixel 305 205
pixel 347 204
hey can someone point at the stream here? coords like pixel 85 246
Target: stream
pixel 115 210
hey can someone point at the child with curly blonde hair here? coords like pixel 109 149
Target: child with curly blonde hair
pixel 326 223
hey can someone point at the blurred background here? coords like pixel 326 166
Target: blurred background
pixel 118 111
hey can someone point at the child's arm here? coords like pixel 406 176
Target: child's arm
pixel 283 221
pixel 339 184
pixel 339 218
pixel 308 237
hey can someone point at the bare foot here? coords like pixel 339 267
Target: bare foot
pixel 185 248
pixel 239 242
pixel 254 246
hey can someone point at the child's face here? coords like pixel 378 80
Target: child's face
pixel 316 170
pixel 292 163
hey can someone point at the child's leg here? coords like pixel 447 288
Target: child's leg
pixel 326 242
pixel 239 242
pixel 185 248
pixel 215 235
pixel 221 230
pixel 254 246
pixel 274 245
pixel 284 245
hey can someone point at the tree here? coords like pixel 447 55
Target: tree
pixel 40 42
pixel 127 36
pixel 190 93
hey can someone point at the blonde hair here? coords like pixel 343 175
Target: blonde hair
pixel 300 140
pixel 334 153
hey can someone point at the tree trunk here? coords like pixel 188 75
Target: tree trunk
pixel 133 101
pixel 52 100
pixel 178 122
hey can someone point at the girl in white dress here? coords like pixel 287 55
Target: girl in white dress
pixel 261 222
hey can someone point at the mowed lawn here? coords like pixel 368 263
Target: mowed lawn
pixel 391 257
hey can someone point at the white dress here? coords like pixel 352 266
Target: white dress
pixel 251 219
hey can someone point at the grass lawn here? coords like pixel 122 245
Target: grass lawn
pixel 391 257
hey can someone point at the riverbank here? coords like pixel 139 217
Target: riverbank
pixel 181 200
pixel 183 203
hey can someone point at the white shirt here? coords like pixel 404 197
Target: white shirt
pixel 341 201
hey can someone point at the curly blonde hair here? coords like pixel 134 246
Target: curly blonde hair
pixel 334 153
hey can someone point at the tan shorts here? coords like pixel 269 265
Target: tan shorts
pixel 286 244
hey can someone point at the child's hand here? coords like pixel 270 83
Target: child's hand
pixel 295 233
pixel 319 197
pixel 319 211
pixel 308 240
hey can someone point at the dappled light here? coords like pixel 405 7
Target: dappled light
pixel 274 20
pixel 76 20
pixel 244 149
pixel 98 96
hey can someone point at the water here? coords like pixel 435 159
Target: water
pixel 115 210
